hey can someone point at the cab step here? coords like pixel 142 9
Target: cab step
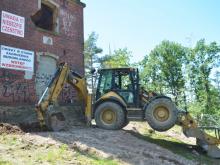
pixel 135 114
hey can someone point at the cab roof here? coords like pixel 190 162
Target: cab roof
pixel 118 69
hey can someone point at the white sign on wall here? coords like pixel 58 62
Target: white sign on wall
pixel 12 24
pixel 18 59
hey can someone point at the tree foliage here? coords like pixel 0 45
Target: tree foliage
pixel 163 68
pixel 120 58
pixel 202 59
pixel 185 73
pixel 91 51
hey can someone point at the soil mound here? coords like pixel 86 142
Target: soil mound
pixel 6 128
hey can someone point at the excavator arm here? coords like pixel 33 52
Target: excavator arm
pixel 62 76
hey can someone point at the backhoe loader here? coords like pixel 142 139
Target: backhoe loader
pixel 119 98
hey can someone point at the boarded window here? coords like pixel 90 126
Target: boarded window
pixel 45 18
pixel 45 71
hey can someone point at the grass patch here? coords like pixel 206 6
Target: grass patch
pixel 9 140
pixel 175 145
pixel 63 154
pixel 19 151
pixel 55 154
pixel 2 162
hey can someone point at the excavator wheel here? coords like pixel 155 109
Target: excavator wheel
pixel 161 114
pixel 55 121
pixel 110 115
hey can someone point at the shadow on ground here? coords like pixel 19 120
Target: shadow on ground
pixel 188 151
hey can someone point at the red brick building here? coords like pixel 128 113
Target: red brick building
pixel 51 31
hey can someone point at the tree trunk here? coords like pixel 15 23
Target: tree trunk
pixel 208 97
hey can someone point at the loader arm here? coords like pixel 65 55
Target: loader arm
pixel 62 76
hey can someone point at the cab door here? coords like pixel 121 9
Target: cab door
pixel 123 85
pixel 104 83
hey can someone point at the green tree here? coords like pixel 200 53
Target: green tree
pixel 217 80
pixel 163 68
pixel 119 58
pixel 150 74
pixel 203 58
pixel 91 51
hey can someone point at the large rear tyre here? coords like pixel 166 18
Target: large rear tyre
pixel 110 115
pixel 161 114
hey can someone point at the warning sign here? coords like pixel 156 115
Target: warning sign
pixel 12 24
pixel 18 59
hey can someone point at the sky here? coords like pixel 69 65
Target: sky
pixel 140 25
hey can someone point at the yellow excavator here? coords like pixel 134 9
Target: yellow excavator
pixel 119 98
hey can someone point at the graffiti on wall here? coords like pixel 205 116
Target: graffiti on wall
pixel 43 78
pixel 68 20
pixel 14 89
pixel 67 94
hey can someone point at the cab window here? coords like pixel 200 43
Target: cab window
pixel 104 83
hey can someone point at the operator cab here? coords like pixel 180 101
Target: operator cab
pixel 123 81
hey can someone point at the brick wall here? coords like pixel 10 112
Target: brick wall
pixel 15 89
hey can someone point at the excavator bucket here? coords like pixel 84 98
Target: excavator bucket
pixel 52 120
pixel 209 143
pixel 56 121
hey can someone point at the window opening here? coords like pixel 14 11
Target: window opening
pixel 45 18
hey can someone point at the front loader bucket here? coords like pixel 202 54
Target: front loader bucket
pixel 207 142
pixel 213 151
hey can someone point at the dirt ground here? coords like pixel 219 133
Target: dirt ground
pixel 118 145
